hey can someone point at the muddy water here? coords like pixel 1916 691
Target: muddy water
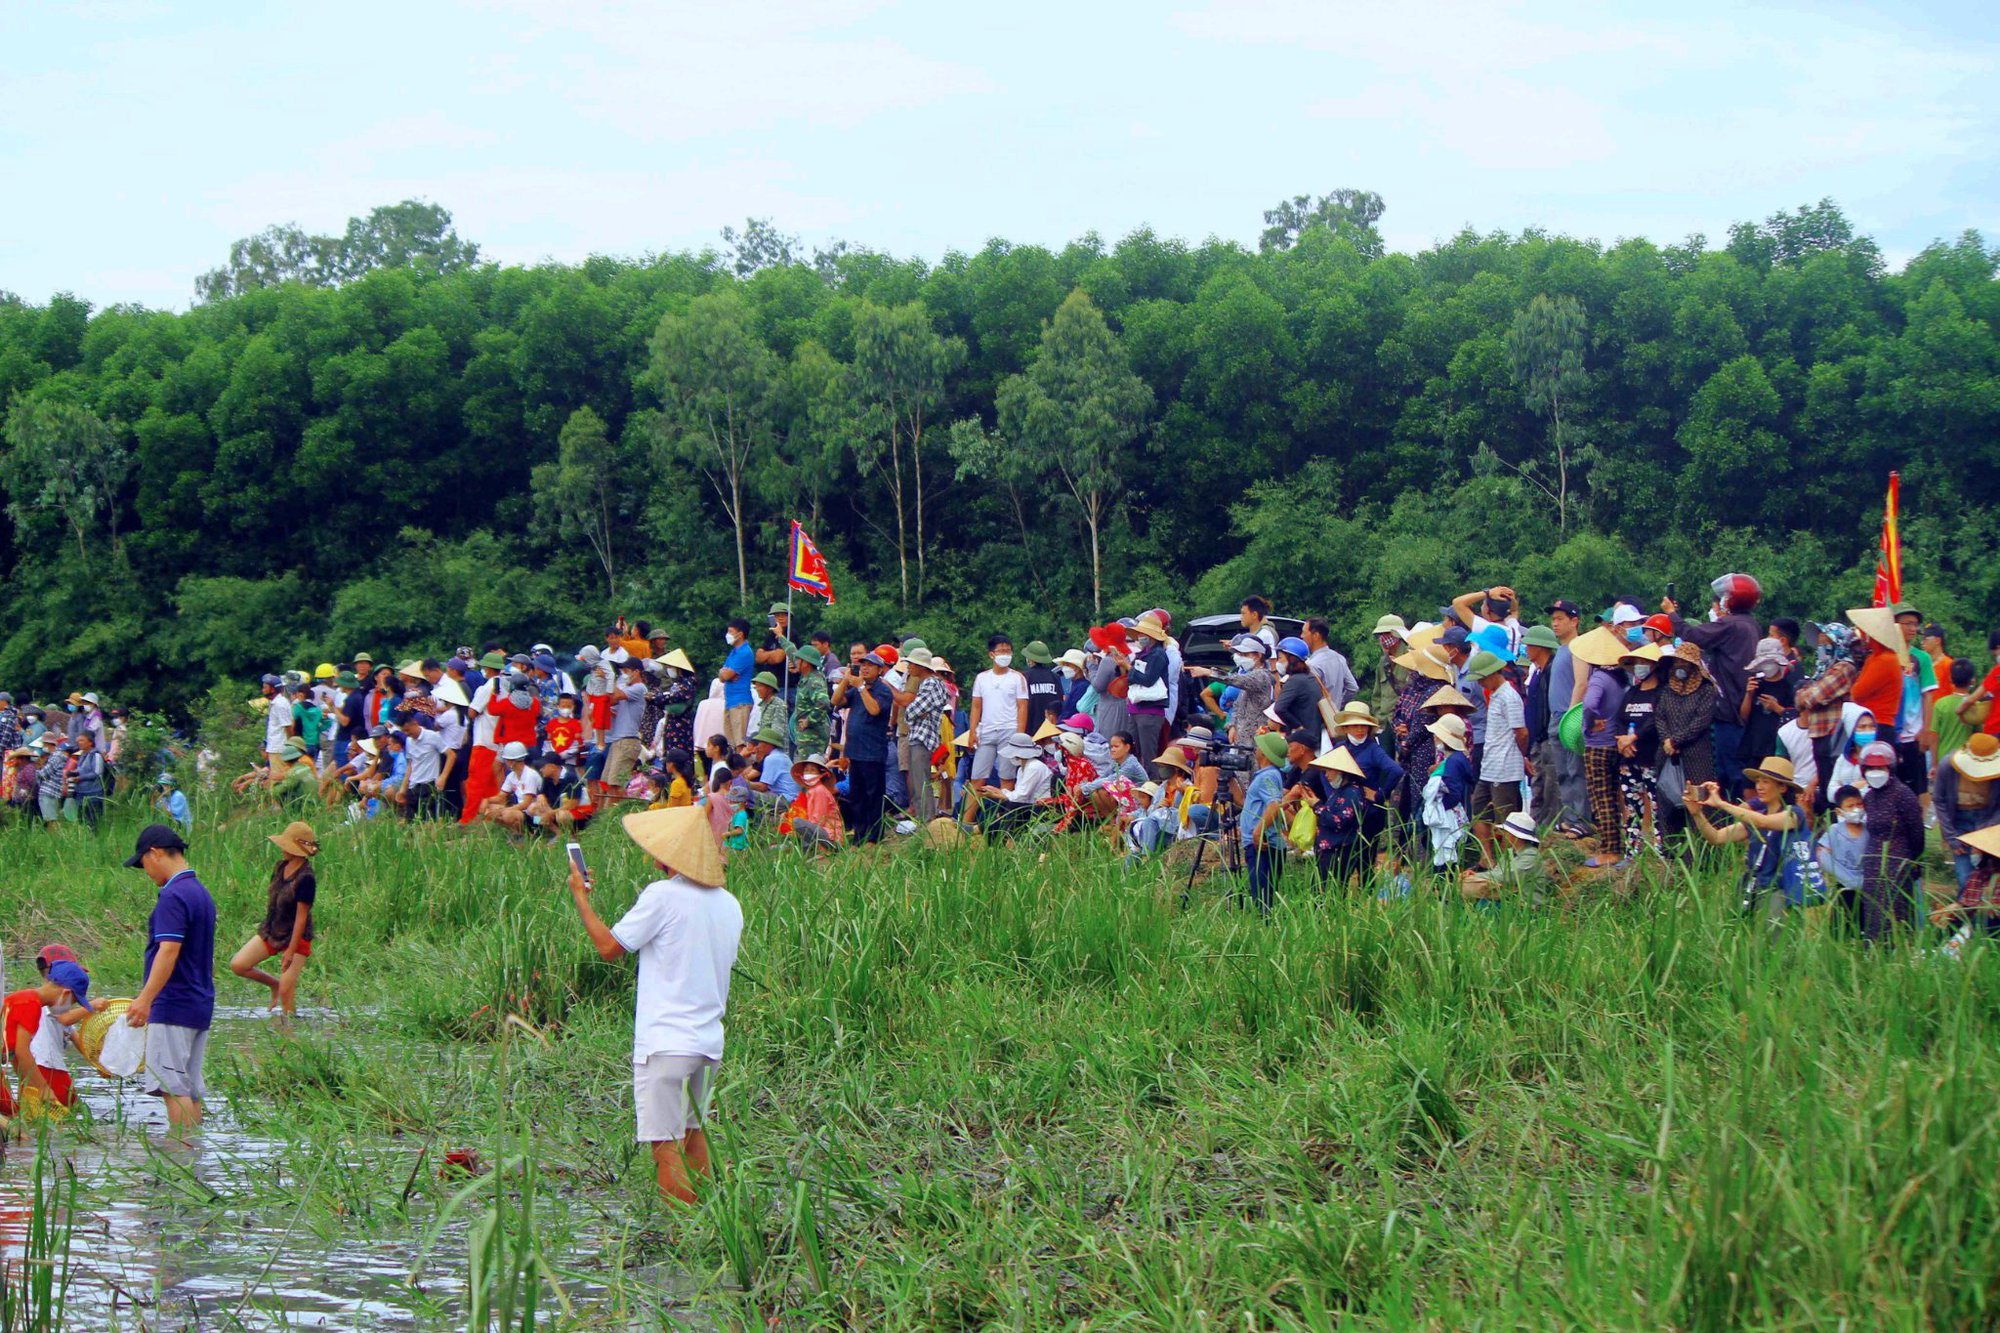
pixel 207 1235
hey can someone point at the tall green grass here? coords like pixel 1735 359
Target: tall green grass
pixel 1030 1088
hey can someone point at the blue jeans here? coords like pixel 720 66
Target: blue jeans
pixel 1962 863
pixel 1728 763
pixel 895 786
pixel 1262 867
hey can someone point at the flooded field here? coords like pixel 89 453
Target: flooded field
pixel 244 1227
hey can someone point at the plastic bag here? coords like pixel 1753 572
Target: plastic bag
pixel 1671 780
pixel 124 1052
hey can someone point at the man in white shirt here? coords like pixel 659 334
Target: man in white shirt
pixel 518 786
pixel 1491 606
pixel 1503 760
pixel 999 706
pixel 686 928
pixel 277 725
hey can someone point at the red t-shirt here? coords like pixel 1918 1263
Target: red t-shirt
pixel 564 732
pixel 24 1014
pixel 1879 687
pixel 1992 686
pixel 515 724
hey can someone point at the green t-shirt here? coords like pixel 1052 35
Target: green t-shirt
pixel 1951 729
pixel 310 718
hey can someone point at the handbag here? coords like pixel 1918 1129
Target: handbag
pixel 1671 780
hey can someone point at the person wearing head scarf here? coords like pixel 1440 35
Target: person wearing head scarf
pixel 1685 714
pixel 1891 877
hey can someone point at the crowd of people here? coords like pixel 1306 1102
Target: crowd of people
pixel 61 761
pixel 1453 751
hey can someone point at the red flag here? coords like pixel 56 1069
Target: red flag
pixel 1889 568
pixel 808 566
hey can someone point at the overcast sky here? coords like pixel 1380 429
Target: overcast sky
pixel 137 140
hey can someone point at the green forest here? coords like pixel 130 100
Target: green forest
pixel 379 440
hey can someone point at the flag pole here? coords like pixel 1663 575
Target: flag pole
pixel 791 632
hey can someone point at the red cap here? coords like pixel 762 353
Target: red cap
pixel 55 953
pixel 1661 624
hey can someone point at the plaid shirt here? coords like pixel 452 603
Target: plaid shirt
pixel 10 729
pixel 923 716
pixel 1820 698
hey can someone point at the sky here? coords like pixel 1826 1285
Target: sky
pixel 138 139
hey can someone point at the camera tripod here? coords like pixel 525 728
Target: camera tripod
pixel 1226 825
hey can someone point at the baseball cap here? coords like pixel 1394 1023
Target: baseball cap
pixel 72 978
pixel 154 838
pixel 1300 736
pixel 52 954
pixel 1566 606
pixel 1454 636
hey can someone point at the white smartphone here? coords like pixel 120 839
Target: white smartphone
pixel 575 850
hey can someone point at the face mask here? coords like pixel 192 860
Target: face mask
pixel 729 637
pixel 1003 660
pixel 1876 777
pixel 1336 779
pixel 1862 738
pixel 810 779
pixel 1642 670
pixel 1358 735
pixel 1682 673
pixel 1853 816
pixel 1066 673
pixel 1135 646
pixel 1244 661
pixel 1635 635
pixel 565 712
pixel 1714 614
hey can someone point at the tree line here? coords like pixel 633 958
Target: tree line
pixel 379 440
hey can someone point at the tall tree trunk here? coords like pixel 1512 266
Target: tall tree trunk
pixel 902 531
pixel 917 466
pixel 1096 566
pixel 736 516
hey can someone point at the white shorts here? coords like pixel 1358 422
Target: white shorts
pixel 670 1094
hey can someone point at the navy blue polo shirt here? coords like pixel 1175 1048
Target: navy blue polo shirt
pixel 184 913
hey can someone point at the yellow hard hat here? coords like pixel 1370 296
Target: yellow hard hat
pixel 324 671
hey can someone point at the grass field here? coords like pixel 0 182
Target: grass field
pixel 1029 1089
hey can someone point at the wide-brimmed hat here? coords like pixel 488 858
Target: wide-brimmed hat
pixel 1426 662
pixel 1483 664
pixel 1021 746
pixel 451 692
pixel 1450 731
pixel 680 839
pixel 769 736
pixel 779 609
pixel 1522 825
pixel 1447 696
pixel 1340 759
pixel 817 761
pixel 1272 746
pixel 1171 757
pixel 411 670
pixel 1978 758
pixel 1071 743
pixel 1357 714
pixel 964 740
pixel 1151 627
pixel 369 745
pixel 1196 739
pixel 1495 639
pixel 1149 790
pixel 1540 636
pixel 1391 624
pixel 940 667
pixel 1777 768
pixel 918 657
pixel 1108 637
pixel 493 661
pixel 1048 731
pixel 1645 652
pixel 1985 840
pixel 677 659
pixel 298 839
pixel 1768 660
pixel 766 679
pixel 805 652
pixel 1601 647
pixel 1036 652
pixel 292 753
pixel 1879 624
pixel 1073 658
pixel 359 658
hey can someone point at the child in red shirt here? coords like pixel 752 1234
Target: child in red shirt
pixel 35 1018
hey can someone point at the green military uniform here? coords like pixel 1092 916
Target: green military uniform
pixel 812 715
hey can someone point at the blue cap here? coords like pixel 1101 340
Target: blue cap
pixel 269 679
pixel 1494 639
pixel 1454 636
pixel 545 662
pixel 72 978
pixel 1295 646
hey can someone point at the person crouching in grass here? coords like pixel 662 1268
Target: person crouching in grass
pixel 36 1017
pixel 685 927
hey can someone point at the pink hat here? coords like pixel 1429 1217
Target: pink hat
pixel 1080 722
pixel 1159 614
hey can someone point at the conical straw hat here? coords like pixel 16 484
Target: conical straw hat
pixel 1879 624
pixel 680 839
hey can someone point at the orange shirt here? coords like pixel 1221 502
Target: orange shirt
pixel 1878 687
pixel 1942 665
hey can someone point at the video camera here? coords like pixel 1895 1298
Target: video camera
pixel 1230 758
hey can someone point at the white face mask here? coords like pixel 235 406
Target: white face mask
pixel 729 637
pixel 809 779
pixel 1853 816
pixel 1003 660
pixel 1066 673
pixel 1641 670
pixel 1876 777
pixel 1714 613
pixel 1244 661
pixel 1136 646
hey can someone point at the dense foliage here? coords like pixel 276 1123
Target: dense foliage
pixel 377 441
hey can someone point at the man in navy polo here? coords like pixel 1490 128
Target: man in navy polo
pixel 177 1003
